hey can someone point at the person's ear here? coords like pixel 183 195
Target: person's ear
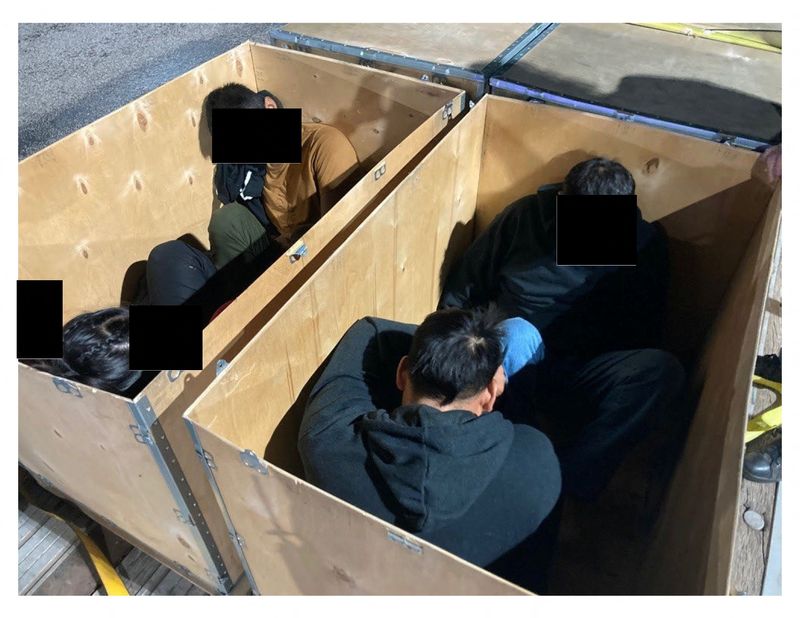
pixel 401 377
pixel 270 103
pixel 494 389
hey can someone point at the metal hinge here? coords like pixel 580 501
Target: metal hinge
pixel 417 549
pixel 142 436
pixel 380 171
pixel 251 460
pixel 447 112
pixel 184 518
pixel 221 364
pixel 42 480
pixel 67 387
pixel 206 457
pixel 238 539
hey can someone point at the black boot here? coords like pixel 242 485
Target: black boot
pixel 762 458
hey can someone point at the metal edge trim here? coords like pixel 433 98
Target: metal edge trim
pixel 529 39
pixel 620 114
pixel 374 55
pixel 225 514
pixel 146 419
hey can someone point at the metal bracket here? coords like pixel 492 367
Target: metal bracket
pixel 417 549
pixel 206 457
pixel 67 387
pixel 221 503
pixel 380 171
pixel 238 539
pixel 174 374
pixel 141 434
pixel 184 518
pixel 42 480
pixel 221 364
pixel 251 460
pixel 298 253
pixel 148 430
pixel 447 112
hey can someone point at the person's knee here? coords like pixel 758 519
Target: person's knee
pixel 523 344
pixel 166 253
pixel 224 221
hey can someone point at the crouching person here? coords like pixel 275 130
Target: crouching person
pixel 402 424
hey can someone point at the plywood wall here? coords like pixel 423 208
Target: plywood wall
pixel 703 193
pixel 390 267
pixel 374 109
pixel 694 547
pixel 95 203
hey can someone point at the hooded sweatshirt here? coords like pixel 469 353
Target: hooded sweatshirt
pixel 580 310
pixel 475 485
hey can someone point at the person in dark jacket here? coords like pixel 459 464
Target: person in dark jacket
pixel 604 381
pixel 401 424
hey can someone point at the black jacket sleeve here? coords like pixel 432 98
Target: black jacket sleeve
pixel 471 282
pixel 359 375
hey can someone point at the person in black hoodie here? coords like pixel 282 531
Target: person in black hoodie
pixel 401 424
pixel 604 380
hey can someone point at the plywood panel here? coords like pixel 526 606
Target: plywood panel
pixel 240 321
pixel 694 548
pixel 374 109
pixel 691 80
pixel 704 194
pixel 96 202
pixel 471 46
pixel 355 281
pixel 300 540
pixel 84 446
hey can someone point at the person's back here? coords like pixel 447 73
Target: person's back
pixel 578 309
pixel 604 382
pixel 386 430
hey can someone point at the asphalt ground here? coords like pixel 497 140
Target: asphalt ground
pixel 73 74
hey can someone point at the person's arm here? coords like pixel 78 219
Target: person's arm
pixel 334 161
pixel 470 283
pixel 359 376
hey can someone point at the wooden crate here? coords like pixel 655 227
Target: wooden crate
pixel 461 55
pixel 93 205
pixel 701 87
pixel 722 225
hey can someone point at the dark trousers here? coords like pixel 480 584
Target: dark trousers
pixel 595 410
pixel 176 271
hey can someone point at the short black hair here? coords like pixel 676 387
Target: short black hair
pixel 455 353
pixel 96 351
pixel 235 96
pixel 599 176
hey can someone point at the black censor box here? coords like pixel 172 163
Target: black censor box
pixel 166 337
pixel 256 135
pixel 596 230
pixel 39 318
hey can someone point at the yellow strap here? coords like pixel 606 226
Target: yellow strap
pixel 714 35
pixel 109 577
pixel 770 418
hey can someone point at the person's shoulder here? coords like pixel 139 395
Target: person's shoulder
pixel 532 453
pixel 325 135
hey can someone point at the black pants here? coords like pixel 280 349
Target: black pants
pixel 176 271
pixel 595 410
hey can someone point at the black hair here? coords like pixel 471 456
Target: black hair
pixel 96 351
pixel 599 176
pixel 235 96
pixel 455 353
